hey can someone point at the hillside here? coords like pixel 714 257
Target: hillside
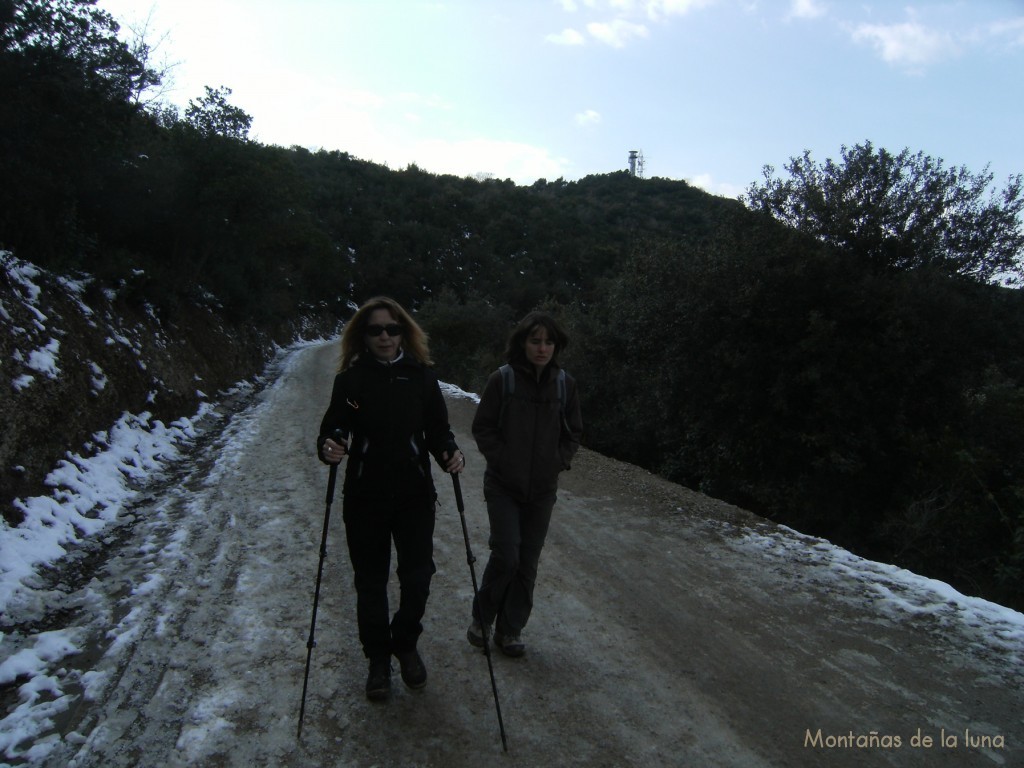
pixel 77 354
pixel 670 629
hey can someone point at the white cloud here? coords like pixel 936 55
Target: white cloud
pixel 523 163
pixel 1011 29
pixel 806 9
pixel 310 112
pixel 622 29
pixel 566 37
pixel 588 117
pixel 427 101
pixel 656 9
pixel 616 33
pixel 721 188
pixel 908 44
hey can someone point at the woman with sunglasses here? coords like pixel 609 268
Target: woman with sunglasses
pixel 388 407
pixel 528 428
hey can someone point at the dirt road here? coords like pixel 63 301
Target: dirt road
pixel 662 636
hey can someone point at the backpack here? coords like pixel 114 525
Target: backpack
pixel 508 388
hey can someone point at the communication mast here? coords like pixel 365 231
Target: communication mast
pixel 636 162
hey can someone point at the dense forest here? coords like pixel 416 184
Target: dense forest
pixel 840 350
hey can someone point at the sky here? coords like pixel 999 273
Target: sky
pixel 709 91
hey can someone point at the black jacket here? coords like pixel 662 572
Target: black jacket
pixel 397 418
pixel 526 443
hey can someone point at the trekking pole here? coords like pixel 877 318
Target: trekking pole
pixel 332 477
pixel 472 572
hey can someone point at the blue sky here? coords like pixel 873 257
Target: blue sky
pixel 709 90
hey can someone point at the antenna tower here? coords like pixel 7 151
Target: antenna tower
pixel 636 162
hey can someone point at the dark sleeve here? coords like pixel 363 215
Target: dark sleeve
pixel 486 421
pixel 438 431
pixel 337 415
pixel 570 440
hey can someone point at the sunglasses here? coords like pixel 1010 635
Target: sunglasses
pixel 392 329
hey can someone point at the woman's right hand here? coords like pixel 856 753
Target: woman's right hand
pixel 333 452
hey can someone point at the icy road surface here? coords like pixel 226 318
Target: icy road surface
pixel 669 630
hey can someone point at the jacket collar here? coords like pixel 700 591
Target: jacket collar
pixel 527 370
pixel 367 359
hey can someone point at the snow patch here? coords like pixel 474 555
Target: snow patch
pixel 89 494
pixel 896 591
pixel 99 378
pixel 44 359
pixel 453 391
pixel 92 490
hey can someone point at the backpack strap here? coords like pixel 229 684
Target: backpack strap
pixel 508 388
pixel 508 380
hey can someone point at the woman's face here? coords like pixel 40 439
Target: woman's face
pixel 539 348
pixel 385 343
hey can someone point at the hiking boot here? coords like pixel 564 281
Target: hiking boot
pixel 414 673
pixel 378 683
pixel 475 634
pixel 511 644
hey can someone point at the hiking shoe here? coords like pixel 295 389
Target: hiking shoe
pixel 414 673
pixel 511 644
pixel 475 634
pixel 378 683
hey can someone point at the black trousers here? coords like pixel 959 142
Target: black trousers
pixel 370 528
pixel 518 531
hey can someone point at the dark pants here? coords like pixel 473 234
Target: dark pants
pixel 370 528
pixel 518 530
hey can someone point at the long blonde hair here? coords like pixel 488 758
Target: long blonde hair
pixel 353 344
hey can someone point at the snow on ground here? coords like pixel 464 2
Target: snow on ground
pixel 93 493
pixel 450 390
pixel 899 593
pixel 44 358
pixel 89 493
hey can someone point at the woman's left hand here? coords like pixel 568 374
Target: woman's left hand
pixel 455 463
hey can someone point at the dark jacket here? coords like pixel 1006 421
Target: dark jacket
pixel 397 418
pixel 528 445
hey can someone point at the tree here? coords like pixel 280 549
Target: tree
pixel 211 115
pixel 901 212
pixel 66 85
pixel 77 33
pixel 144 42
